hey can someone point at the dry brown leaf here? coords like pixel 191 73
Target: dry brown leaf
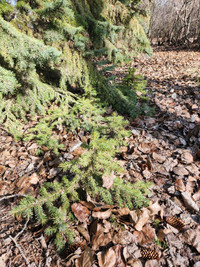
pixel 124 238
pixel 192 237
pixel 47 156
pixel 149 164
pixel 131 252
pixel 147 235
pixel 101 239
pixel 161 235
pixel 25 182
pixel 84 232
pixel 74 145
pixel 80 212
pixel 137 263
pixel 108 180
pixel 122 211
pixel 3 260
pixel 2 170
pixel 123 149
pixel 5 188
pixel 101 214
pixel 78 151
pixel 152 263
pixel 107 226
pixel 159 158
pixel 33 148
pixel 105 207
pixel 155 208
pixel 111 257
pixel 133 217
pixel 187 158
pixel 147 174
pixel 170 163
pixel 189 202
pixel 146 148
pixel 179 185
pixel 88 204
pixel 93 227
pixel 193 169
pixel 180 170
pixel 143 219
pixel 85 259
pixel 34 178
pixel 196 196
pixel 190 185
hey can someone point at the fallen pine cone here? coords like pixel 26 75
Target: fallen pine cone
pixel 149 254
pixel 71 249
pixel 175 222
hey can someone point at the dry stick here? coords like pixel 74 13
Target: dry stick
pixel 14 239
pixel 22 230
pixel 12 196
pixel 21 251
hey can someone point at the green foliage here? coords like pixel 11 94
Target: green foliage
pixel 23 7
pixel 161 244
pixel 85 114
pixel 156 223
pixel 84 175
pixel 44 136
pixel 8 82
pixel 44 70
pixel 5 8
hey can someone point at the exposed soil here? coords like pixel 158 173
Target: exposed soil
pixel 164 149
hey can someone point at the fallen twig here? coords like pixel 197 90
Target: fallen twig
pixel 22 230
pixel 11 196
pixel 20 250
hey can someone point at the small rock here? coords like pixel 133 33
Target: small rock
pixel 174 95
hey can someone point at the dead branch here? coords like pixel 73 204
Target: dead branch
pixel 20 250
pixel 11 196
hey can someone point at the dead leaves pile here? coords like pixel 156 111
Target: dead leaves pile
pixel 120 237
pixel 114 236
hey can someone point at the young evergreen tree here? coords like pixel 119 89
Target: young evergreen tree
pixel 47 52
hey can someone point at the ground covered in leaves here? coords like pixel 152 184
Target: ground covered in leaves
pixel 164 149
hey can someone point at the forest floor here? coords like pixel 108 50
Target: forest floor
pixel 164 149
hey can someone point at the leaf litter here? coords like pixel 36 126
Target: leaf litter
pixel 164 149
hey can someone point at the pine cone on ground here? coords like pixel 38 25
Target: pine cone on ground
pixel 149 254
pixel 71 249
pixel 175 222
